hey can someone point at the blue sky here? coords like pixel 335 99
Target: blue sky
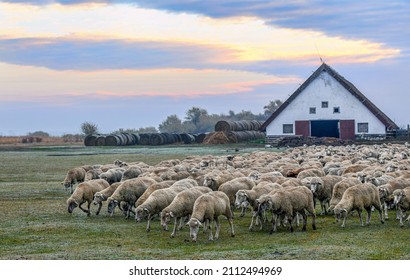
pixel 130 64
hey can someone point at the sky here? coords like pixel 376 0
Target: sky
pixel 130 64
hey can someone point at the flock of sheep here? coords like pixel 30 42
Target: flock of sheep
pixel 278 187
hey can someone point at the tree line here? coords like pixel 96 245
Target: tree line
pixel 197 120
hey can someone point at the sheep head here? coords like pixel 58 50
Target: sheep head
pixel 194 225
pixel 71 205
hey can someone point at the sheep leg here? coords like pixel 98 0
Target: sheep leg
pixel 304 219
pixel 379 208
pixel 243 212
pixel 99 208
pixel 290 218
pixel 274 220
pixel 386 215
pixel 344 218
pixel 218 227
pixel 174 231
pixel 84 210
pixel 149 223
pixel 369 213
pixel 230 220
pixel 210 222
pixel 359 211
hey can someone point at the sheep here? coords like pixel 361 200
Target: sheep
pixel 93 174
pixel 112 175
pixel 131 172
pixel 245 197
pixel 74 175
pixel 402 202
pixel 339 189
pixel 105 193
pixel 322 188
pixel 311 173
pixel 156 202
pixel 386 192
pixel 359 197
pixel 231 187
pixel 85 193
pixel 381 180
pixel 129 191
pixel 354 168
pixel 213 180
pixel 151 189
pixel 181 207
pixel 207 209
pixel 289 201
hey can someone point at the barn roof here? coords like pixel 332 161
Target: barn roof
pixel 390 125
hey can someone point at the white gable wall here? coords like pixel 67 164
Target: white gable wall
pixel 325 88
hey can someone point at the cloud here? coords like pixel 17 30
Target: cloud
pixel 158 34
pixel 89 54
pixel 35 84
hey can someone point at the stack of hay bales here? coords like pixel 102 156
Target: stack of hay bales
pixel 227 132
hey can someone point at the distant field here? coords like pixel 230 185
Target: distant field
pixel 35 223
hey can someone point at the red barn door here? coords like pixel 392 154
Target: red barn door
pixel 347 130
pixel 302 128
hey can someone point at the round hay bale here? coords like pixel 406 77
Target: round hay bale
pixel 187 138
pixel 144 138
pixel 90 139
pixel 112 140
pixel 156 139
pixel 226 126
pixel 100 141
pixel 136 138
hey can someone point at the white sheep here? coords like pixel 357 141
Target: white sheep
pixel 288 202
pixel 85 193
pixel 156 202
pixel 74 175
pixel 103 195
pixel 93 174
pixel 402 202
pixel 231 187
pixel 151 189
pixel 386 192
pixel 322 188
pixel 214 180
pixel 129 191
pixel 359 197
pixel 112 175
pixel 181 207
pixel 131 172
pixel 338 191
pixel 207 209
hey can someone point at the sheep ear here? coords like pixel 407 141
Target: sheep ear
pixel 344 210
pixel 145 210
pixel 199 223
pixel 171 214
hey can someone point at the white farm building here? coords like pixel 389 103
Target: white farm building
pixel 327 105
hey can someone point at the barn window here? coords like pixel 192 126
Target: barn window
pixel 325 104
pixel 336 110
pixel 363 127
pixel 312 110
pixel 288 128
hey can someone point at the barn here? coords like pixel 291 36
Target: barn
pixel 328 105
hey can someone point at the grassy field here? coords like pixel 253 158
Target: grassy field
pixel 35 224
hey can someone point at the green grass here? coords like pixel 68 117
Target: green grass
pixel 35 223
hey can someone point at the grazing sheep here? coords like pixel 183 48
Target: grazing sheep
pixel 213 180
pixel 338 191
pixel 322 188
pixel 207 209
pixel 231 187
pixel 381 180
pixel 74 175
pixel 85 193
pixel 359 197
pixel 289 202
pixel 129 191
pixel 354 168
pixel 103 195
pixel 152 188
pixel 402 202
pixel 186 183
pixel 313 172
pixel 181 207
pixel 386 192
pixel 245 198
pixel 131 172
pixel 112 175
pixel 93 174
pixel 156 202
